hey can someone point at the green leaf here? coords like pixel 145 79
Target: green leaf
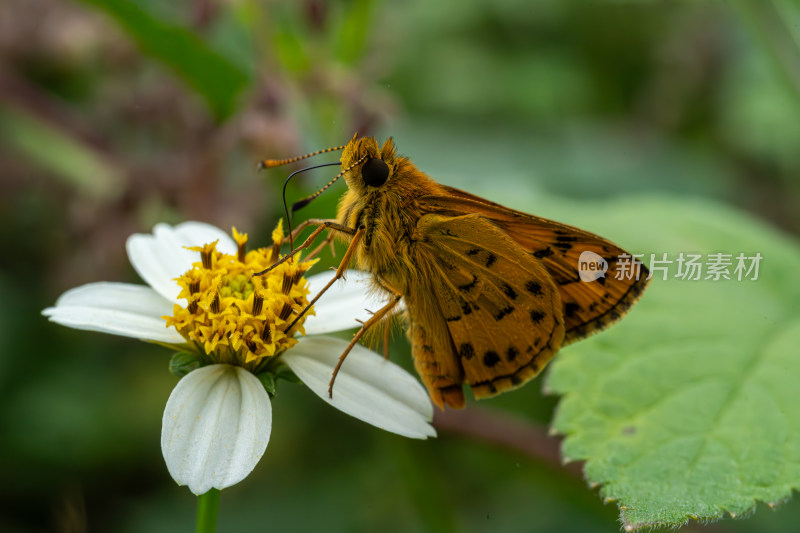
pixel 773 23
pixel 355 22
pixel 689 407
pixel 289 40
pixel 218 80
pixel 60 152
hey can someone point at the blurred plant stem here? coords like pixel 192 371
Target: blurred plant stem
pixel 207 510
pixel 526 437
pixel 502 429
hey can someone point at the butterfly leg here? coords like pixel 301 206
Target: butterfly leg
pixel 374 319
pixel 339 272
pixel 328 222
pixel 323 224
pixel 328 240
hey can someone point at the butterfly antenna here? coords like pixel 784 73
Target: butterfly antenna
pixel 285 207
pixel 307 200
pixel 271 163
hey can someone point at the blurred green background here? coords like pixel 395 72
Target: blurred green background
pixel 118 114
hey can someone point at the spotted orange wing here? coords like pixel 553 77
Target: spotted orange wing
pixel 587 307
pixel 499 312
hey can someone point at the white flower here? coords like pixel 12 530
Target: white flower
pixel 217 420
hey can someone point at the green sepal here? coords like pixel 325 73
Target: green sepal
pixel 269 382
pixel 181 363
pixel 269 379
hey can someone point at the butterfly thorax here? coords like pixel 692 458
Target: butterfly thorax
pixel 388 215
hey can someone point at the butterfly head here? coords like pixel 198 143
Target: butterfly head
pixel 367 165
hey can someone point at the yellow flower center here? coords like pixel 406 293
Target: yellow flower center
pixel 238 318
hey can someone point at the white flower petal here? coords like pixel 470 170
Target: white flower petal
pixel 161 257
pixel 367 387
pixel 118 308
pixel 346 301
pixel 216 427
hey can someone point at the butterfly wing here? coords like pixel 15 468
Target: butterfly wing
pixel 431 347
pixel 587 307
pixel 499 312
pixel 436 363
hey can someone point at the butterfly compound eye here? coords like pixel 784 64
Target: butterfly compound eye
pixel 375 172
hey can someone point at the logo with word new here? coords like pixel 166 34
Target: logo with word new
pixel 591 266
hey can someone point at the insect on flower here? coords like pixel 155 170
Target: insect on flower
pixel 491 293
pixel 218 419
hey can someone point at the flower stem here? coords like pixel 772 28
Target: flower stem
pixel 207 510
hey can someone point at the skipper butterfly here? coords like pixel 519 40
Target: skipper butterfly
pixel 491 294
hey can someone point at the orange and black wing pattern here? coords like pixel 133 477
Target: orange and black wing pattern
pixel 496 315
pixel 587 307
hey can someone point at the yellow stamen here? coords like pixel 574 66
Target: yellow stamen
pixel 287 283
pixel 286 312
pixel 258 303
pixel 207 253
pixel 241 244
pixel 215 304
